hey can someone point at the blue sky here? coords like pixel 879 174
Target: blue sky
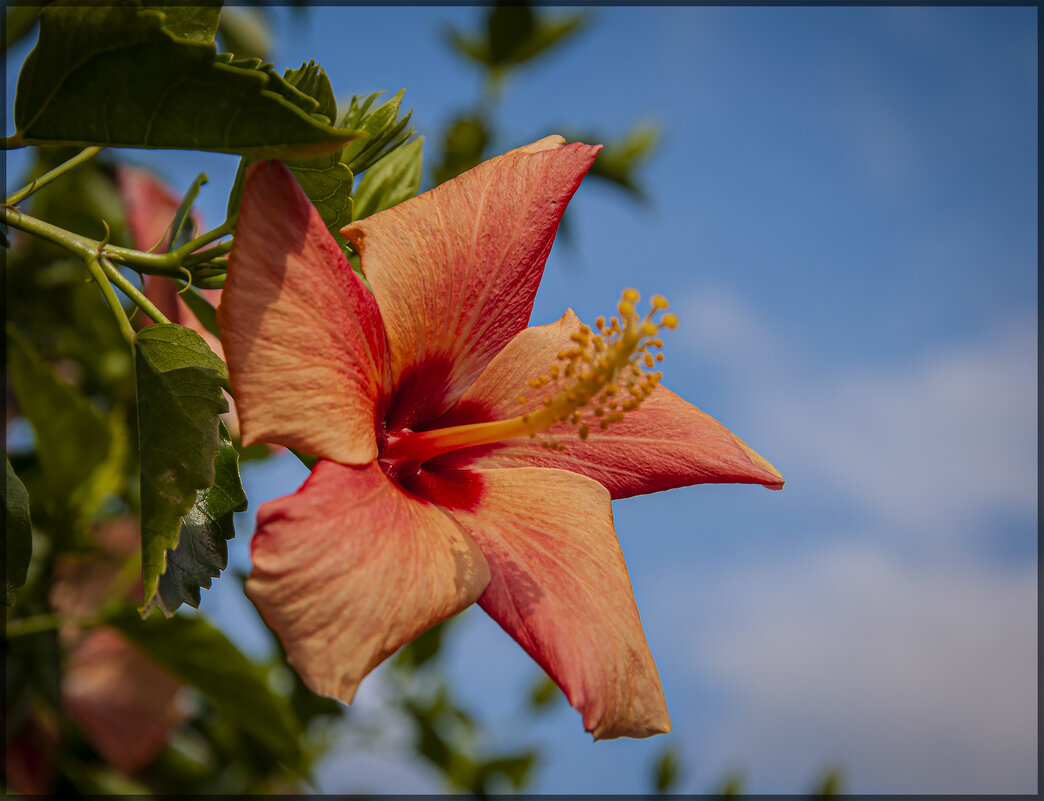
pixel 844 214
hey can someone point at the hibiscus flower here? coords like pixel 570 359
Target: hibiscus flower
pixel 463 457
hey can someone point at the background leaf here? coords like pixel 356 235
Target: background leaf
pixel 390 181
pixel 80 449
pixel 463 143
pixel 201 553
pixel 179 383
pixel 544 693
pixel 150 77
pixel 18 549
pixel 515 35
pixel 19 22
pixel 245 31
pixel 201 656
pixel 666 771
pixel 621 159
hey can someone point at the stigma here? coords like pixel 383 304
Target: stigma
pixel 602 375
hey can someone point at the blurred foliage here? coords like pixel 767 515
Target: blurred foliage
pixel 666 772
pixel 830 783
pixel 245 31
pixel 19 22
pixel 544 693
pixel 516 35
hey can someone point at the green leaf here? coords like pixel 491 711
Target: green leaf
pixel 201 553
pixel 245 32
pixel 314 82
pixel 150 77
pixel 507 29
pixel 463 144
pixel 547 34
pixel 393 179
pixel 665 771
pixel 515 34
pixel 19 22
pixel 382 126
pixel 619 161
pixel 543 693
pixel 199 306
pixel 179 382
pixel 831 783
pixel 235 194
pixel 326 179
pixel 201 656
pixel 514 768
pixel 327 182
pixel 424 648
pixel 19 534
pixel 80 449
pixel 183 227
pixel 731 785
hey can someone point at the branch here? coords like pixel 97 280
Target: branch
pixel 94 267
pixel 57 172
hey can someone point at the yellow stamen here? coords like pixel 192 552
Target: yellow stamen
pixel 579 377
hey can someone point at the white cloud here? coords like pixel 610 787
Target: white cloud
pixel 914 668
pixel 928 449
pixel 914 678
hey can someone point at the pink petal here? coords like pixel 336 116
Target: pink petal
pixel 32 747
pixel 302 334
pixel 455 269
pixel 665 443
pixel 559 586
pixel 149 206
pixel 122 700
pixel 351 567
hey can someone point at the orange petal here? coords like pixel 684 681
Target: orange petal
pixel 351 567
pixel 122 700
pixel 302 334
pixel 559 586
pixel 665 443
pixel 455 269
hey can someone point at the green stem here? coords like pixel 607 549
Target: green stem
pixel 205 255
pixel 98 274
pixel 136 295
pixel 85 247
pixel 74 243
pixel 183 254
pixel 34 624
pixel 57 172
pixel 166 264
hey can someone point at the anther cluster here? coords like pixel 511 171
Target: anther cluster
pixel 607 371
